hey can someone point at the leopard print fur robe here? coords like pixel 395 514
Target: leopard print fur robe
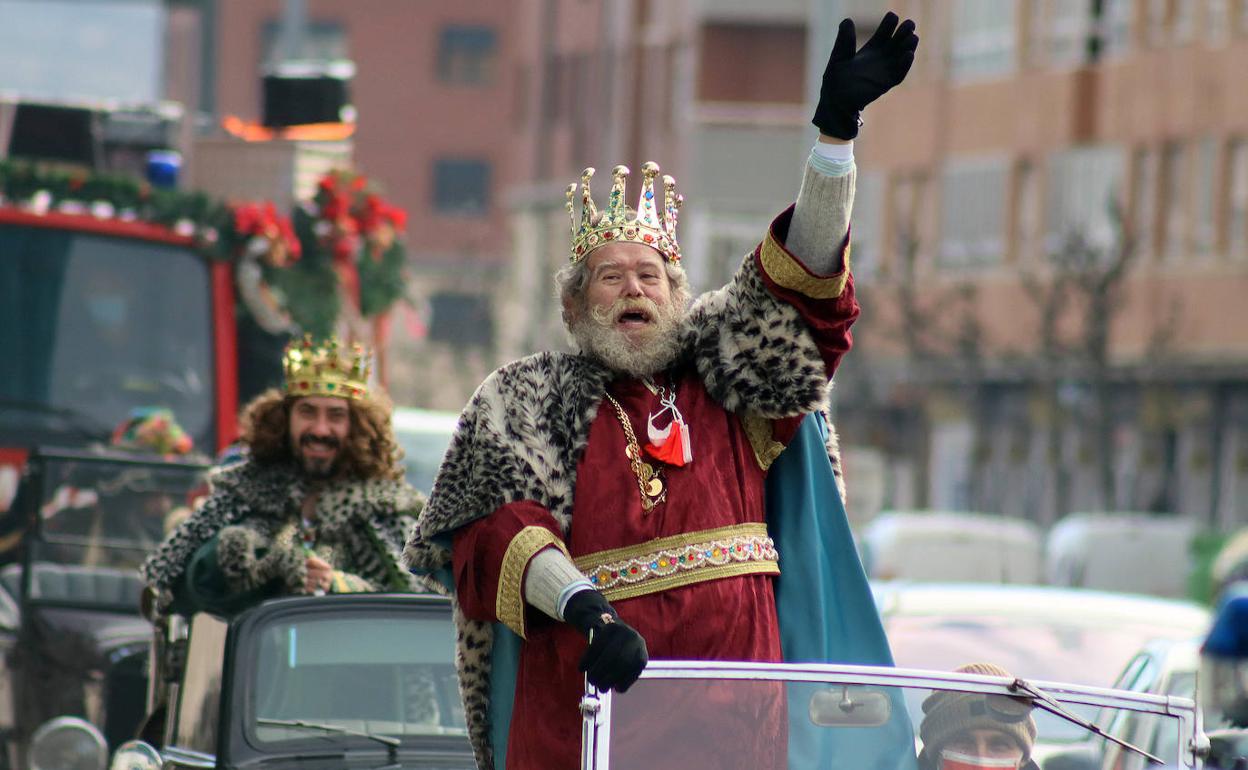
pixel 361 527
pixel 524 430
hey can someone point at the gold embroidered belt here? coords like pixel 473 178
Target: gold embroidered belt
pixel 681 560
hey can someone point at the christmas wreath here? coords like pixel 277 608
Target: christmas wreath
pixel 339 251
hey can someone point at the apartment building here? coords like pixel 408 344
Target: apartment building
pixel 434 91
pixel 1051 243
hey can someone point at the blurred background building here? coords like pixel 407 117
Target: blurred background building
pixel 1051 239
pixel 1050 234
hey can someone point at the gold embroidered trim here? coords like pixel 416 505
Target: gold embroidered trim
pixel 681 560
pixel 671 541
pixel 690 578
pixel 782 268
pixel 758 431
pixel 509 601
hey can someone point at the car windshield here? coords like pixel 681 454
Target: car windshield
pixel 108 512
pixel 680 714
pixel 381 673
pixel 95 326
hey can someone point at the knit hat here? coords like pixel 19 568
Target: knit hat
pixel 151 429
pixel 946 714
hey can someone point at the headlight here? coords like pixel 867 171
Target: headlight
pixel 135 755
pixel 67 743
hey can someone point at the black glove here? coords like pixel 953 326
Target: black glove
pixel 851 80
pixel 617 653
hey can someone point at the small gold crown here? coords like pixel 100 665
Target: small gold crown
pixel 615 224
pixel 324 370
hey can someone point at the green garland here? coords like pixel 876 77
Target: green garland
pixel 307 286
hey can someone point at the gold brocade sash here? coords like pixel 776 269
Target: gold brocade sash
pixel 681 560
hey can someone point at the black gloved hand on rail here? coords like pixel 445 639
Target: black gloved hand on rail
pixel 617 653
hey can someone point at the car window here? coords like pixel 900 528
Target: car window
pixel 393 673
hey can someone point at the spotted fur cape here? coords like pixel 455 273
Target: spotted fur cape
pixel 524 430
pixel 253 508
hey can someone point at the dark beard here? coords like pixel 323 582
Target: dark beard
pixel 319 468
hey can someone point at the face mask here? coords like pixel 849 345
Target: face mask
pixel 952 760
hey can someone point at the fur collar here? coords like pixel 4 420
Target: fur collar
pixel 270 494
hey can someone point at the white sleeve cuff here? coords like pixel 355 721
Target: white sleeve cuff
pixel 549 579
pixel 839 152
pixel 570 591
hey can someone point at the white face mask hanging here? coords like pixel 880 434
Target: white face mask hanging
pixel 954 760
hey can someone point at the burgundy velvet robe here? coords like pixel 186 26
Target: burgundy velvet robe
pixel 730 618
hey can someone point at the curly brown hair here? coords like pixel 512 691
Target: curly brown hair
pixel 370 451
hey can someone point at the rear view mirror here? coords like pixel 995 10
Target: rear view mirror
pixel 850 707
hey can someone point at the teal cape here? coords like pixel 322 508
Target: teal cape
pixel 826 610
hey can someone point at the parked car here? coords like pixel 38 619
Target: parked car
pixel 424 436
pixel 948 545
pixel 1137 552
pixel 1040 632
pixel 356 680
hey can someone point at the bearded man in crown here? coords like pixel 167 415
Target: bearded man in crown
pixel 613 504
pixel 318 504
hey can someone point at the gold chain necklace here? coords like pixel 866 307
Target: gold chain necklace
pixel 649 482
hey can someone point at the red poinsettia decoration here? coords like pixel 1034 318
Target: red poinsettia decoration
pixel 261 220
pixel 355 220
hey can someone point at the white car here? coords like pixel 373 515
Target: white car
pixel 952 545
pixel 1041 632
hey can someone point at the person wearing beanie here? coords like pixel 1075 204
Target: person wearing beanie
pixel 972 731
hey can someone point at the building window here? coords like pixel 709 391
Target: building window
pixel 1205 197
pixel 1157 21
pixel 461 319
pixel 755 63
pixel 461 186
pixel 1084 187
pixel 1116 26
pixel 467 55
pixel 1237 213
pixel 1217 23
pixel 1067 28
pixel 1028 212
pixel 322 41
pixel 1173 203
pixel 1183 19
pixel 972 201
pixel 1143 220
pixel 983 39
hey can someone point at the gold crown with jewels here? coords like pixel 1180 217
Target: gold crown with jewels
pixel 325 369
pixel 616 223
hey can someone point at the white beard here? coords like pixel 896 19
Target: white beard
pixel 651 350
